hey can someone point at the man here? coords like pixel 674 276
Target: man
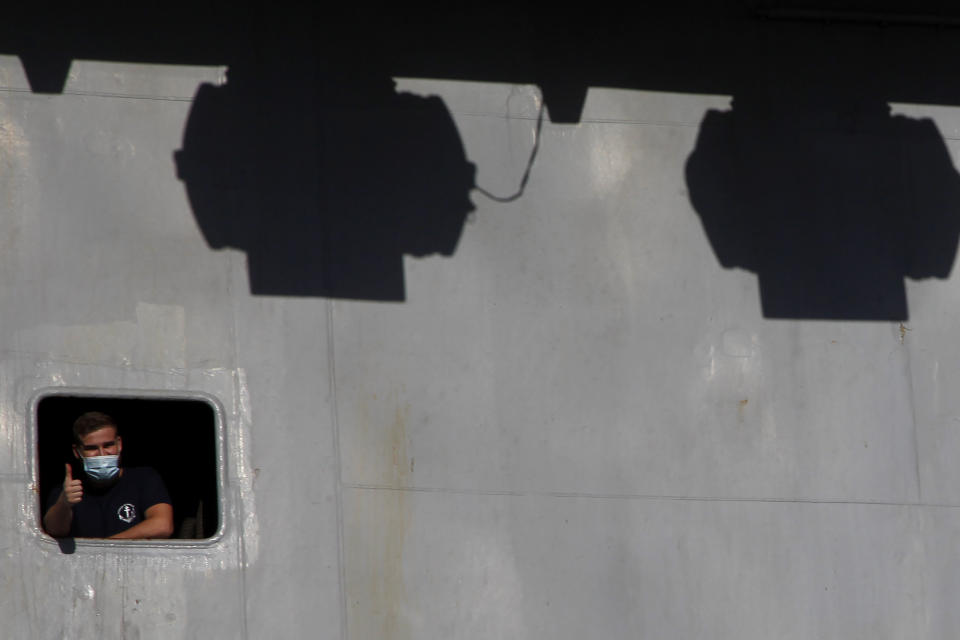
pixel 108 500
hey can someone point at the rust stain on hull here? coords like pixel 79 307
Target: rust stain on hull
pixel 378 595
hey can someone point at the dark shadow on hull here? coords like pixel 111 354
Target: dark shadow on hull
pixel 811 183
pixel 311 163
pixel 325 190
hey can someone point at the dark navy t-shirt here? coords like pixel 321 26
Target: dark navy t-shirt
pixel 103 513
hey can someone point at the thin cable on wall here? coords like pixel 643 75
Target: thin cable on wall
pixel 526 173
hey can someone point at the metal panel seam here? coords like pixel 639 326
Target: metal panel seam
pixel 241 547
pixel 338 477
pixel 913 413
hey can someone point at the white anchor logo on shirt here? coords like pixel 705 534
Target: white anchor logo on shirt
pixel 127 512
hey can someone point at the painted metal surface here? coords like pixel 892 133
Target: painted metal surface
pixel 577 424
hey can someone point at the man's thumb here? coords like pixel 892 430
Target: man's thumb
pixel 69 472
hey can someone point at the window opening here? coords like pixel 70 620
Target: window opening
pixel 177 437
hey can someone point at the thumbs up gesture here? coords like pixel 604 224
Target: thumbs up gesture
pixel 72 489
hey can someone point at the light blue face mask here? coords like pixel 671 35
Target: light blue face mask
pixel 102 469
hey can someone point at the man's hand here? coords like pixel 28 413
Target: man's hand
pixel 72 489
pixel 58 518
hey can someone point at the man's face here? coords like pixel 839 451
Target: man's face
pixel 102 442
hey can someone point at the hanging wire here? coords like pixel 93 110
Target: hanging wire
pixel 526 173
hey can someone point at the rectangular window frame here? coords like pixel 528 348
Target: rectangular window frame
pixel 92 393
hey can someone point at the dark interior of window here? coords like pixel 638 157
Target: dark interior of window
pixel 177 437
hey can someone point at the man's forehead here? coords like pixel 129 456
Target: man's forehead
pixel 108 432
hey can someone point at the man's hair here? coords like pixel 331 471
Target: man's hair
pixel 89 422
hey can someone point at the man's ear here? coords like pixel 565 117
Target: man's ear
pixel 76 454
pixel 119 445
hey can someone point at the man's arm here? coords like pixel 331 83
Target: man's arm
pixel 157 523
pixel 59 516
